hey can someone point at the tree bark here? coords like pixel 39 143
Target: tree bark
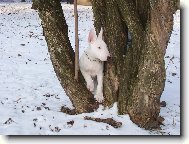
pixel 145 73
pixel 133 54
pixel 62 55
pixel 140 76
pixel 135 75
pixel 107 15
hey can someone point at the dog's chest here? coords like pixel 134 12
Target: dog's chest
pixel 90 66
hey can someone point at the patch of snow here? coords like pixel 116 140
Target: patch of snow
pixel 31 95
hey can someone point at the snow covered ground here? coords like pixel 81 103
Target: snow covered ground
pixel 31 95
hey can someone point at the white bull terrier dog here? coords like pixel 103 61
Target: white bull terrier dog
pixel 92 63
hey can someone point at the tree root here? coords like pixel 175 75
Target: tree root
pixel 68 111
pixel 109 121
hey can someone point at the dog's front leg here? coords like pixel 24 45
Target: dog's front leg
pixel 99 91
pixel 89 81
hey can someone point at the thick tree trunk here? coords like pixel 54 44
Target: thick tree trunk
pixel 135 75
pixel 137 82
pixel 107 15
pixel 133 54
pixel 62 55
pixel 145 76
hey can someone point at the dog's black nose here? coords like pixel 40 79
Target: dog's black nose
pixel 109 58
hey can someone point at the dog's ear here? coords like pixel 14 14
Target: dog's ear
pixel 100 36
pixel 92 36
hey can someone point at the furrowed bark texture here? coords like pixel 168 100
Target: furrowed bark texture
pixel 147 71
pixel 135 74
pixel 107 15
pixel 133 54
pixel 141 72
pixel 62 55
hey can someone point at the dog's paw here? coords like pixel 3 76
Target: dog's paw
pixel 99 98
pixel 90 87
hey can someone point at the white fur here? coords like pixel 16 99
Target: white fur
pixel 92 63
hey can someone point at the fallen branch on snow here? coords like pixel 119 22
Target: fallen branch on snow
pixel 109 121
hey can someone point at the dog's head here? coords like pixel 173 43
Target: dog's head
pixel 98 46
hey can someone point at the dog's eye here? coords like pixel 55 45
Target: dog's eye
pixel 99 47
